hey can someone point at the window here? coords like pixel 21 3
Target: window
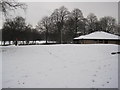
pixel 106 41
pixel 96 41
pixel 100 41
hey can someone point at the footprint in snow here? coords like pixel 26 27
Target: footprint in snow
pixel 93 80
pixel 8 81
pixel 104 65
pixel 4 50
pixel 25 76
pixel 18 82
pixel 39 73
pixel 92 61
pixel 46 75
pixel 96 71
pixel 103 85
pixel 107 82
pixel 50 69
pixel 65 66
pixel 21 83
pixel 50 53
pixel 12 76
pixel 99 68
pixel 94 75
pixel 110 78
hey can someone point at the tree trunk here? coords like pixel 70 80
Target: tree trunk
pixel 23 42
pixel 76 27
pixel 46 35
pixel 4 43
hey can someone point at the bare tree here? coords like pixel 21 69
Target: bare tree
pixel 108 24
pixel 9 5
pixel 44 25
pixel 92 19
pixel 59 17
pixel 13 28
pixel 84 26
pixel 118 29
pixel 77 16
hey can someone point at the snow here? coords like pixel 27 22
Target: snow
pixel 25 42
pixel 60 66
pixel 98 35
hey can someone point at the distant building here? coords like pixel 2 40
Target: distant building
pixel 98 37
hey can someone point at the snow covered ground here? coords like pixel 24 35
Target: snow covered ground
pixel 60 66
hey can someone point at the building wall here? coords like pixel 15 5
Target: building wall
pixel 97 42
pixel 114 42
pixel 89 41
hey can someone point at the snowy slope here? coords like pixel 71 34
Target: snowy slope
pixel 60 66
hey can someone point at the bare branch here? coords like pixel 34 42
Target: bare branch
pixel 7 6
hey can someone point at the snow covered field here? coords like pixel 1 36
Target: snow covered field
pixel 60 66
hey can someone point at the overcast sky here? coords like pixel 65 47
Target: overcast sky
pixel 37 10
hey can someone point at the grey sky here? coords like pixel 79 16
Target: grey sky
pixel 37 10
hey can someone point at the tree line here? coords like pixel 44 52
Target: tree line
pixel 17 29
pixel 61 26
